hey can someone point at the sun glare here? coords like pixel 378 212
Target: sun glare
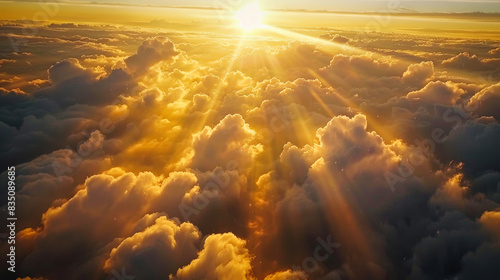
pixel 249 17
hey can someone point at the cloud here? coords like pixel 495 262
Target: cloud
pixel 86 217
pixel 438 92
pixel 287 275
pixel 473 144
pixel 347 71
pixel 478 263
pixel 345 166
pixel 230 140
pixel 51 132
pixel 494 51
pixel 339 39
pixel 455 235
pixel 453 196
pixel 157 251
pixel 67 69
pixel 219 192
pixel 94 143
pixel 420 73
pixel 472 62
pixel 487 184
pixel 490 220
pixel 224 256
pixel 346 146
pixel 151 52
pixel 84 89
pixel 486 101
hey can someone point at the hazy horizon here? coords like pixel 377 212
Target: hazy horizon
pixel 382 6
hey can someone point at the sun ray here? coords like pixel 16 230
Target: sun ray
pixel 373 121
pixel 215 98
pixel 349 229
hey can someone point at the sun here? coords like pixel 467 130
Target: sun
pixel 249 17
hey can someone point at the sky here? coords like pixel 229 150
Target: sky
pixel 250 144
pixel 341 5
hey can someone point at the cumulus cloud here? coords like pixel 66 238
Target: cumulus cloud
pixel 490 220
pixel 224 256
pixel 472 62
pixel 67 69
pixel 230 140
pixel 476 264
pixel 437 92
pixel 287 275
pixel 87 216
pixel 151 52
pixel 453 196
pixel 157 251
pixel 453 231
pixel 473 144
pixel 346 71
pixel 419 73
pixel 485 102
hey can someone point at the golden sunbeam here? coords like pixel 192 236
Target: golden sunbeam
pixel 350 229
pixel 373 121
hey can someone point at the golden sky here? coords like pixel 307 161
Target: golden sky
pixel 248 143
